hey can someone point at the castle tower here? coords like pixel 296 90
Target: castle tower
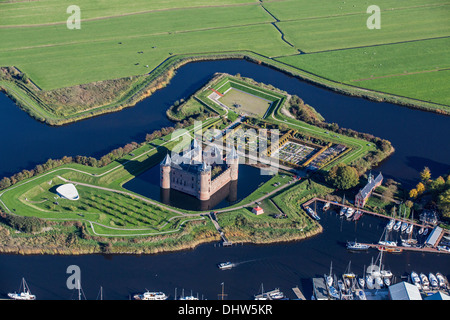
pixel 196 151
pixel 233 162
pixel 165 172
pixel 204 192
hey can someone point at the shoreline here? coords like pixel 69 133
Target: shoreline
pixel 61 251
pixel 162 75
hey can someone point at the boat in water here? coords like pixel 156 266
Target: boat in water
pixel 326 206
pixel 349 213
pixel 25 293
pixel 312 213
pixel 150 296
pixel 225 265
pixel 370 282
pixel 415 279
pixel 441 279
pixel 433 280
pixel 390 225
pixel 404 226
pixel 353 245
pixel 343 211
pixel 397 225
pixel 424 281
pixel 409 229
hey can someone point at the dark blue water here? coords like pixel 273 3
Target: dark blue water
pixel 419 138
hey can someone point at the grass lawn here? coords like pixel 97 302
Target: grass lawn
pixel 248 103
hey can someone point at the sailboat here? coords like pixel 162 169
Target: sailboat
pixel 25 294
pixel 390 225
pixel 397 226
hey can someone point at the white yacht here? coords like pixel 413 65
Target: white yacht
pixel 441 279
pixel 433 280
pixel 390 225
pixel 25 294
pixel 415 279
pixel 151 296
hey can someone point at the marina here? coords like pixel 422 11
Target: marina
pixel 431 245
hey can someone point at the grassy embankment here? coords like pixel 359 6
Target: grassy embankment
pixel 404 62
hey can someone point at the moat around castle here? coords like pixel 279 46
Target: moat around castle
pixel 249 178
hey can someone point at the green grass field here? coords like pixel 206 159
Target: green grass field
pixel 119 40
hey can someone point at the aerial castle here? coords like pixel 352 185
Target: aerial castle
pixel 197 172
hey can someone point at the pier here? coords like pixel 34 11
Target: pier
pixel 430 246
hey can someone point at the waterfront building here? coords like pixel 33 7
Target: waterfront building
pixel 364 193
pixel 197 172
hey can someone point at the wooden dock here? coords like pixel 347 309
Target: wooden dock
pixel 298 293
pixel 431 249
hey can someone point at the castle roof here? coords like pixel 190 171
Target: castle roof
pixel 167 161
pixel 232 154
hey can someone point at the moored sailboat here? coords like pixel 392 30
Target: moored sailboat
pixel 25 293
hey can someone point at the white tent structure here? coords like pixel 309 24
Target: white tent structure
pixel 68 191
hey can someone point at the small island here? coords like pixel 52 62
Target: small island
pixel 107 217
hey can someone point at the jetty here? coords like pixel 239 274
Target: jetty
pixel 225 241
pixel 431 245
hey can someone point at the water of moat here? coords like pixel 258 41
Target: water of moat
pixel 420 139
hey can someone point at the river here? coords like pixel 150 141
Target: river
pixel 419 138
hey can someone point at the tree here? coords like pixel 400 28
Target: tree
pixel 343 176
pixel 425 175
pixel 420 188
pixel 444 203
pixel 413 193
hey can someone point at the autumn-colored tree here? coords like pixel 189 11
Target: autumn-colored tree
pixel 425 175
pixel 413 193
pixel 420 188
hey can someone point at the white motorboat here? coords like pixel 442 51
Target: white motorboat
pixel 386 273
pixel 326 206
pixel 361 294
pixel 357 246
pixel 151 296
pixel 404 226
pixel 409 229
pixel 424 281
pixel 387 282
pixel 349 213
pixel 369 281
pixel 421 230
pixel 343 211
pixel 397 225
pixel 225 265
pixel 25 294
pixel 379 282
pixel 433 280
pixel 361 282
pixel 425 232
pixel 415 279
pixel 390 225
pixel 440 279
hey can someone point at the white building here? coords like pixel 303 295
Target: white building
pixel 68 191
